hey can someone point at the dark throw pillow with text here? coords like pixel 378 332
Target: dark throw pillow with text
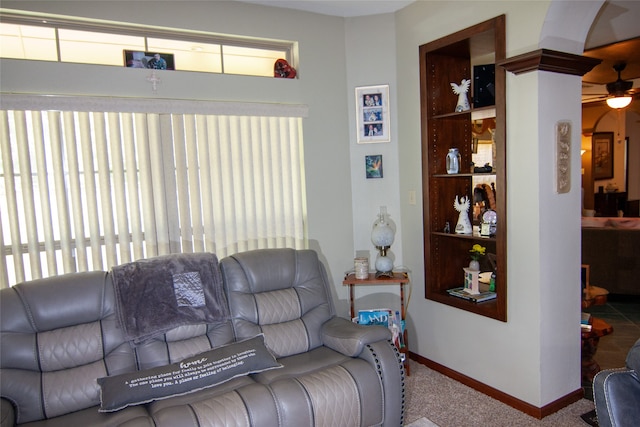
pixel 201 371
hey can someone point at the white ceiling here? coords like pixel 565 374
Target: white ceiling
pixel 617 21
pixel 343 8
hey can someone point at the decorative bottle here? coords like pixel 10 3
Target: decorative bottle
pixel 453 161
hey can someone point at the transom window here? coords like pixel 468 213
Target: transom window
pixel 43 37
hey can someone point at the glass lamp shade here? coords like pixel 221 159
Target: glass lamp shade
pixel 382 236
pixel 619 101
pixel 384 230
pixel 384 264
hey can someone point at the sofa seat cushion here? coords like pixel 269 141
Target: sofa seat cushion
pixel 247 405
pixel 204 394
pixel 348 394
pixel 129 417
pixel 301 364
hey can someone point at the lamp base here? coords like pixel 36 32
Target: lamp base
pixel 380 274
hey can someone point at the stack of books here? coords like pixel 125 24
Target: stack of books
pixel 380 316
pixel 384 317
pixel 482 296
pixel 585 322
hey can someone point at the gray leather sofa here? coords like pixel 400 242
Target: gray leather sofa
pixel 616 393
pixel 60 334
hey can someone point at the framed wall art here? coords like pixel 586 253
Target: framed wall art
pixel 602 150
pixel 153 60
pixel 372 114
pixel 373 166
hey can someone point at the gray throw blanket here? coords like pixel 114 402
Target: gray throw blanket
pixel 161 293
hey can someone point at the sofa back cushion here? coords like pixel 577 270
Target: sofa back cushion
pixel 57 336
pixel 182 342
pixel 282 293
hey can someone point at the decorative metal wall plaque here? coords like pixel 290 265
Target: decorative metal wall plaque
pixel 563 157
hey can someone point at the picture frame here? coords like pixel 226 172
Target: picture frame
pixel 372 114
pixel 602 149
pixel 373 166
pixel 149 60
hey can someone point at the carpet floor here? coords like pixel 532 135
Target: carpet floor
pixel 448 403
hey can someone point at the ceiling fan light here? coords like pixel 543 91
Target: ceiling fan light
pixel 619 101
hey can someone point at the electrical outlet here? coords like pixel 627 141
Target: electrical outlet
pixel 412 197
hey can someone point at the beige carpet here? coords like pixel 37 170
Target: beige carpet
pixel 448 403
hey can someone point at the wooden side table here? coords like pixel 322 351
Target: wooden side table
pixel 590 340
pixel 401 279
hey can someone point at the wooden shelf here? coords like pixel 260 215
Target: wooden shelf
pixel 464 236
pixel 467 175
pixel 479 113
pixel 446 60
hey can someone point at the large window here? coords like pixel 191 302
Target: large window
pixel 66 39
pixel 86 190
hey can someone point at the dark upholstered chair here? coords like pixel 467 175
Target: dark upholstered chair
pixel 616 393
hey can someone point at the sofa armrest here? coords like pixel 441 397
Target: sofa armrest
pixel 7 414
pixel 350 338
pixel 372 344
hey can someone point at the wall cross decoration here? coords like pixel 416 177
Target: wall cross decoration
pixel 154 80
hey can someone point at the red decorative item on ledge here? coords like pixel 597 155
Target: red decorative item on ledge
pixel 283 70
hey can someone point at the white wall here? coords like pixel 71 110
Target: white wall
pixel 625 123
pixel 539 344
pixel 322 86
pixel 535 355
pixel 371 60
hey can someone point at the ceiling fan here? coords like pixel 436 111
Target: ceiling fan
pixel 619 93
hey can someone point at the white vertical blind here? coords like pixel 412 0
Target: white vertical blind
pixel 90 190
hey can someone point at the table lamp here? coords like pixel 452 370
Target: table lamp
pixel 382 236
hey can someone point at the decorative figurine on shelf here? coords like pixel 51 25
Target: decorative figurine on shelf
pixel 461 90
pixel 464 225
pixel 489 223
pixel 282 70
pixel 472 273
pixel 471 281
pixel 382 236
pixel 484 198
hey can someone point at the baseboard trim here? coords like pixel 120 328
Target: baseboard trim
pixel 501 396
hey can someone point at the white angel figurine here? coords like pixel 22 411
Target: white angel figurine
pixel 464 225
pixel 461 90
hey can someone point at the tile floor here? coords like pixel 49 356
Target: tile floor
pixel 623 313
